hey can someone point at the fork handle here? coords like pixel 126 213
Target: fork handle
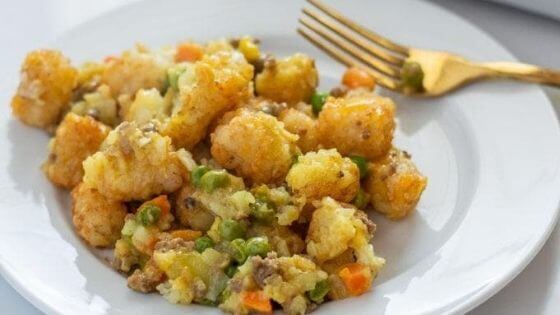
pixel 522 72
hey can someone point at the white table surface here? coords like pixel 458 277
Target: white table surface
pixel 25 24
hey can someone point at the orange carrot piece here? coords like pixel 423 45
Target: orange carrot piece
pixel 187 235
pixel 256 300
pixel 356 277
pixel 162 202
pixel 356 77
pixel 188 52
pixel 151 244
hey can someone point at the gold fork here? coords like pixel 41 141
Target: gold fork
pixel 405 69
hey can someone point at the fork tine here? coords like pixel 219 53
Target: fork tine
pixel 349 49
pixel 356 40
pixel 383 80
pixel 378 39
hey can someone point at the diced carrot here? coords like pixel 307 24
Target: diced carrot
pixel 257 301
pixel 162 202
pixel 151 244
pixel 188 52
pixel 187 235
pixel 356 77
pixel 356 277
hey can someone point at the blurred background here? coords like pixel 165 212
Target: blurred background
pixel 529 29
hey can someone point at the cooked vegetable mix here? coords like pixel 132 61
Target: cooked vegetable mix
pixel 219 174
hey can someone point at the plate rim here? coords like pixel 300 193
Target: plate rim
pixel 489 291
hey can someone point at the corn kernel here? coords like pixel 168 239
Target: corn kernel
pixel 249 49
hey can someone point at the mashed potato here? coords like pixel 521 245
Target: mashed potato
pixel 358 125
pixel 76 138
pixel 395 184
pixel 324 173
pixel 134 165
pixel 283 240
pixel 45 88
pixel 207 89
pixel 291 80
pixel 256 146
pixel 148 105
pixel 100 105
pixel 284 280
pixel 332 230
pixel 97 219
pixel 296 276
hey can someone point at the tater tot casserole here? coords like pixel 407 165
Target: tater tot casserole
pixel 220 175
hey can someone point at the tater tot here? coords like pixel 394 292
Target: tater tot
pixel 45 88
pixel 256 146
pixel 207 89
pixel 97 219
pixel 135 69
pixel 324 173
pixel 395 184
pixel 301 124
pixel 76 138
pixel 134 165
pixel 256 104
pixel 265 105
pixel 291 80
pixel 358 125
pixel 218 45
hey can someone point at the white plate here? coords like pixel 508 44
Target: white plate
pixel 491 152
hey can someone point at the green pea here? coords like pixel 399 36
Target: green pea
pixel 361 200
pixel 173 75
pixel 197 173
pixel 317 102
pixel 262 212
pixel 230 229
pixel 412 76
pixel 318 293
pixel 361 162
pixel 237 250
pixel 202 243
pixel 257 246
pixel 149 214
pixel 212 180
pixel 231 270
